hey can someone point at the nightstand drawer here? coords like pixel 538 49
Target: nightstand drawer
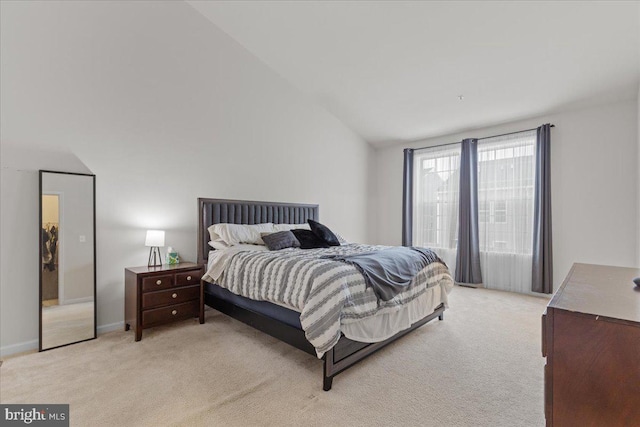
pixel 156 283
pixel 170 313
pixel 188 278
pixel 171 296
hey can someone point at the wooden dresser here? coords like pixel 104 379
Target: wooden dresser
pixel 591 339
pixel 157 295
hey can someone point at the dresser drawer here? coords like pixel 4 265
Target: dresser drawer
pixel 171 296
pixel 188 278
pixel 170 313
pixel 157 282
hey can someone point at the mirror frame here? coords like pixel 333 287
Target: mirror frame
pixel 95 307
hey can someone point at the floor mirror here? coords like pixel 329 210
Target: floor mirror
pixel 67 258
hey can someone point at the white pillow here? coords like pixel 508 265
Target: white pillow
pixel 287 227
pixel 218 244
pixel 234 234
pixel 215 237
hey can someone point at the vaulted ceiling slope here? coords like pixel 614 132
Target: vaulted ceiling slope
pixel 393 71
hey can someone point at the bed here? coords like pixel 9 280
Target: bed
pixel 280 321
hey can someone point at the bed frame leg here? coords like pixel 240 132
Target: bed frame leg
pixel 326 383
pixel 441 317
pixel 327 380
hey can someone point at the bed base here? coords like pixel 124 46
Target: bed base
pixel 343 355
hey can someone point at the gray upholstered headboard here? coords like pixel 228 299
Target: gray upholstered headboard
pixel 216 211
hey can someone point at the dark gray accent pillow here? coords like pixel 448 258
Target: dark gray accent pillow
pixel 323 233
pixel 280 240
pixel 308 240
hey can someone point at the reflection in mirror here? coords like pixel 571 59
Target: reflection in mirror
pixel 67 258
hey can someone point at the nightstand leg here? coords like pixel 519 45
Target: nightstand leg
pixel 138 334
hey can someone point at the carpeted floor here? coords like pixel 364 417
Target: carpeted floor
pixel 481 366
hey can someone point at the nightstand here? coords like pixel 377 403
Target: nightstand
pixel 158 295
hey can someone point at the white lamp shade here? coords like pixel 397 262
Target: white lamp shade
pixel 154 238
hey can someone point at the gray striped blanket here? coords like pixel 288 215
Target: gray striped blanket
pixel 324 291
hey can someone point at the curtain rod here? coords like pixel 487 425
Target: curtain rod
pixel 479 139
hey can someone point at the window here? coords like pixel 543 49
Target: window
pixel 435 207
pixel 506 178
pixel 500 211
pixel 505 193
pixel 494 211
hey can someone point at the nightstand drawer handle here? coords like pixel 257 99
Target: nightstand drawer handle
pixel 174 312
pixel 188 277
pixel 158 282
pixel 174 296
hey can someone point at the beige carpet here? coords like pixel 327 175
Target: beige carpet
pixel 481 366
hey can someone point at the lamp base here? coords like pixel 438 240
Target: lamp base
pixel 155 260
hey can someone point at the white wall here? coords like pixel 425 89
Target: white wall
pixel 594 155
pixel 163 107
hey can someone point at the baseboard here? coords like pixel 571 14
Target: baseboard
pixel 103 329
pixel 22 347
pixel 470 285
pixel 77 300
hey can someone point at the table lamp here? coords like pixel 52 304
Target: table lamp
pixel 155 240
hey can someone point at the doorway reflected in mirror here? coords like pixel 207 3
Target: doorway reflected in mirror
pixel 50 228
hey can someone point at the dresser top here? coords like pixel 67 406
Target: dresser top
pixel 164 267
pixel 600 290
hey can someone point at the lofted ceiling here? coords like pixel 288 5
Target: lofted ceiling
pixel 393 71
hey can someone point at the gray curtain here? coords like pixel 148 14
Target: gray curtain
pixel 407 198
pixel 468 256
pixel 542 278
